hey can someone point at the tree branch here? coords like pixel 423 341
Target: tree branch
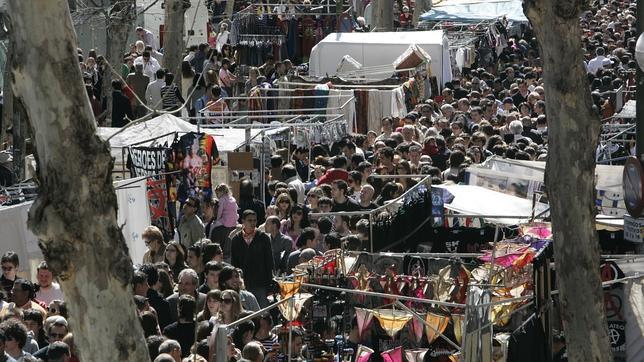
pixel 148 7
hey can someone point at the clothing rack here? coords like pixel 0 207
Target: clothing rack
pixel 270 36
pixel 348 86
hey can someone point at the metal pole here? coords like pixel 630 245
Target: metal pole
pixel 262 174
pixel 221 343
pixel 639 104
pixel 496 236
pixel 393 296
pixel 371 232
pixel 639 91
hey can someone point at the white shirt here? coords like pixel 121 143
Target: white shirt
pixel 51 293
pixel 150 68
pixel 189 57
pixel 148 39
pixel 595 64
pixel 298 186
pixel 222 38
pixel 153 93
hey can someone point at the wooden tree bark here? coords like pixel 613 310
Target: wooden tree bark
pixel 383 15
pixel 573 131
pixel 173 43
pixel 421 7
pixel 119 20
pixel 74 215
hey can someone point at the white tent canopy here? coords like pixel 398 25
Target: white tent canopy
pixel 160 130
pixel 476 200
pixel 376 49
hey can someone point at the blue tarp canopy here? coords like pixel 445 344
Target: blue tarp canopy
pixel 473 10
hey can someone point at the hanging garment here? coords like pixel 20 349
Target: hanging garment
pixel 416 329
pixel 458 321
pixel 460 58
pixel 398 107
pixel 416 355
pixel 528 343
pixel 362 113
pixel 500 347
pixel 338 99
pixel 438 323
pixel 363 354
pixel 284 102
pixel 375 115
pixel 292 38
pixel 291 309
pixel 289 288
pixel 384 99
pixel 392 355
pixel 392 320
pixel 308 37
pixel 321 91
pixel 364 318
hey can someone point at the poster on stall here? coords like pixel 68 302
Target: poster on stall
pixel 193 155
pixel 151 162
pixel 613 304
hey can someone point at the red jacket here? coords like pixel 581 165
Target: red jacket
pixel 332 175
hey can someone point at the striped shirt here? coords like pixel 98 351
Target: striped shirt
pixel 170 97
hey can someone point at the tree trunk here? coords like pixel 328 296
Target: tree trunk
pixel 20 132
pixel 75 213
pixel 383 15
pixel 573 131
pixel 173 44
pixel 119 22
pixel 421 7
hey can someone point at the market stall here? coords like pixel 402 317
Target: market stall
pixel 376 49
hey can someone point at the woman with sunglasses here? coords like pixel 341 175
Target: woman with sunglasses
pixel 230 309
pixel 295 223
pixel 175 258
pixel 313 197
pixel 284 204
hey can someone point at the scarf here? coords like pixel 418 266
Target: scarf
pixel 248 237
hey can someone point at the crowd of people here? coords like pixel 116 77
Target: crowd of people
pixel 227 252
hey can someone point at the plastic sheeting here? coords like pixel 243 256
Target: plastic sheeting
pixel 377 49
pixel 458 10
pixel 133 214
pixel 15 236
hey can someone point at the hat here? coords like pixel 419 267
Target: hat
pixel 508 100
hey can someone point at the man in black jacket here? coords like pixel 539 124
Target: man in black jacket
pixel 251 252
pixel 121 106
pixel 154 298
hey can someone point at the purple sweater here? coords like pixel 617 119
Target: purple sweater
pixel 227 212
